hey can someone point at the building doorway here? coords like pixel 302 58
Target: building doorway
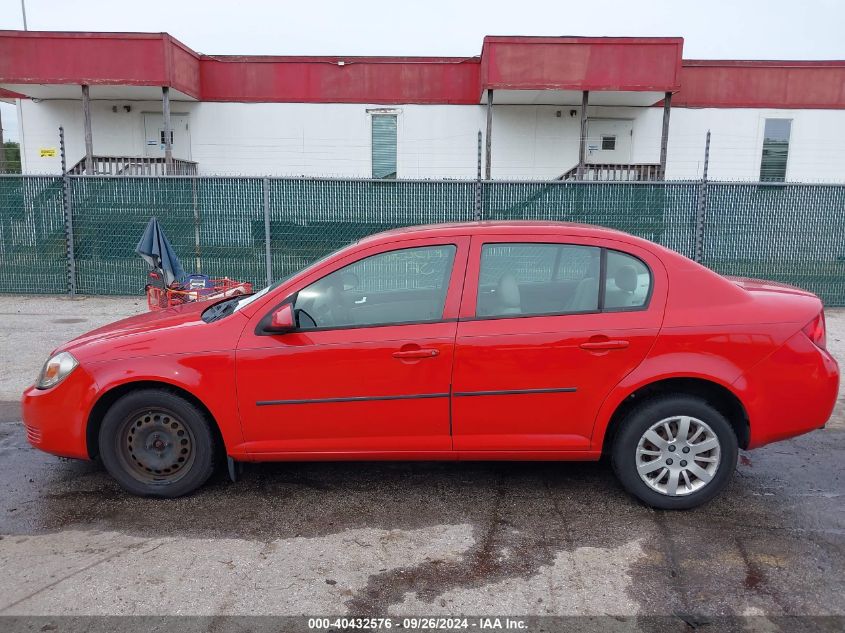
pixel 610 141
pixel 180 135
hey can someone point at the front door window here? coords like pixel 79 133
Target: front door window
pixel 401 286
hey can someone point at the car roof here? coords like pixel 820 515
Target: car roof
pixel 499 227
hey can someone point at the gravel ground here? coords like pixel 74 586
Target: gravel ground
pixel 406 538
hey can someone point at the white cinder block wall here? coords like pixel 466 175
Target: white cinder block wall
pixel 816 146
pixel 114 133
pixel 434 141
pixel 533 142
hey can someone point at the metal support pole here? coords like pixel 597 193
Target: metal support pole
pixel 477 210
pixel 68 213
pixel 23 12
pixel 664 137
pixel 197 252
pixel 488 155
pixel 89 140
pixel 701 208
pixel 267 251
pixel 2 149
pixel 168 130
pixel 582 143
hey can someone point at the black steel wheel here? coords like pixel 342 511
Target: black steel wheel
pixel 156 443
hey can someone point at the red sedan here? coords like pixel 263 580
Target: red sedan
pixel 478 341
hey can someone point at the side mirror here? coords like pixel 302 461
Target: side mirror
pixel 282 320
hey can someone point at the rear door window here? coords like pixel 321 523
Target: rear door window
pixel 533 279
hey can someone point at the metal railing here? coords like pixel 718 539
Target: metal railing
pixel 78 233
pixel 134 166
pixel 622 172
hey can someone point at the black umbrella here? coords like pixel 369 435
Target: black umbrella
pixel 157 251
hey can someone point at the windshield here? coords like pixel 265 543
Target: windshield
pixel 247 299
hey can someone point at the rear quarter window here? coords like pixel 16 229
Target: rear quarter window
pixel 628 282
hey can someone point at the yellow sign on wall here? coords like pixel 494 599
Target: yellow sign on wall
pixel 48 152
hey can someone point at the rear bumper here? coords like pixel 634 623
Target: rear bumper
pixel 791 392
pixel 56 419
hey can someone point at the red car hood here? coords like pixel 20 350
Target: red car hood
pixel 171 331
pixel 145 322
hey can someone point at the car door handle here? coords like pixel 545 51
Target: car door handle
pixel 416 353
pixel 604 345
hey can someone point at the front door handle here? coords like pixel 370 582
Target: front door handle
pixel 416 353
pixel 604 345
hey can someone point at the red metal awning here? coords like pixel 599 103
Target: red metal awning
pixel 556 70
pixel 618 71
pixel 44 64
pixel 8 96
pixel 762 84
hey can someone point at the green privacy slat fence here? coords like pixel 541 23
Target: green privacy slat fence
pixel 794 234
pixel 216 225
pixel 310 218
pixel 661 212
pixel 211 223
pixel 109 216
pixel 32 235
pixel 790 233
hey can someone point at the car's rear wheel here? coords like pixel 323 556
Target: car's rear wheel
pixel 157 444
pixel 675 452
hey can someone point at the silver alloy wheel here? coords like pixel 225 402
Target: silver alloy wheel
pixel 678 456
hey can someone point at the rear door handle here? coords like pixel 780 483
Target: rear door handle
pixel 416 353
pixel 604 345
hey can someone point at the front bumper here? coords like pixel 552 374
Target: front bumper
pixel 56 419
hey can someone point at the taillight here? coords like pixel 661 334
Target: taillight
pixel 816 331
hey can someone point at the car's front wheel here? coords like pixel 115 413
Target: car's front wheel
pixel 675 452
pixel 157 444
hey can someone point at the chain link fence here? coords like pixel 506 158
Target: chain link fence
pixel 33 256
pixel 220 226
pixel 789 233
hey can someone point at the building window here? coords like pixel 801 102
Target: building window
pixel 775 150
pixel 384 145
pixel 608 142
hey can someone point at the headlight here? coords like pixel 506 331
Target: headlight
pixel 56 369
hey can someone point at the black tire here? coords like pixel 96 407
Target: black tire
pixel 641 419
pixel 157 444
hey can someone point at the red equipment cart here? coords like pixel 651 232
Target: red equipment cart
pixel 160 297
